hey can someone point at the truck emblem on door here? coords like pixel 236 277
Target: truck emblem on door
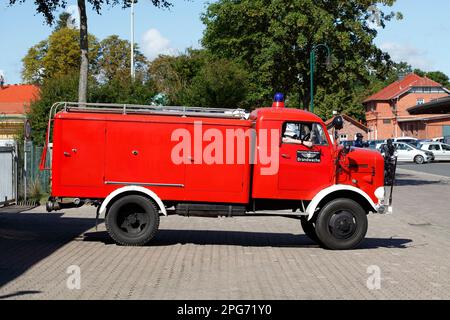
pixel 308 156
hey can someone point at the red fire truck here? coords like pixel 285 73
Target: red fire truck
pixel 137 163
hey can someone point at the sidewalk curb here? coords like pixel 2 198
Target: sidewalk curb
pixel 429 175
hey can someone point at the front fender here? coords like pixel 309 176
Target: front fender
pixel 137 189
pixel 311 209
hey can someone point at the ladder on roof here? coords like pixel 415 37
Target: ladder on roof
pixel 156 110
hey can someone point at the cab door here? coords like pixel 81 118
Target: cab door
pixel 304 170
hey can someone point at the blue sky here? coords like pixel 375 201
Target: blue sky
pixel 421 38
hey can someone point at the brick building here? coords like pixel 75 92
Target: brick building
pixel 439 125
pixel 387 113
pixel 14 105
pixel 350 129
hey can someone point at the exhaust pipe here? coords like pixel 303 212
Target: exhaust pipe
pixel 53 205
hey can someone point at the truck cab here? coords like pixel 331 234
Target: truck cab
pixel 137 163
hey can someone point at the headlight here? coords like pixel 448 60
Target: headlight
pixel 379 193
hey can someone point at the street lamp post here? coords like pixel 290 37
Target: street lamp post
pixel 132 40
pixel 312 62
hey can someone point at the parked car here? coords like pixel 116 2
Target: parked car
pixel 440 150
pixel 409 153
pixel 409 140
pixel 445 140
pixel 374 143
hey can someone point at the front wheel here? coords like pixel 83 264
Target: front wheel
pixel 419 160
pixel 132 220
pixel 341 224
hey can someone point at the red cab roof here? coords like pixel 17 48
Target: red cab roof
pixel 285 114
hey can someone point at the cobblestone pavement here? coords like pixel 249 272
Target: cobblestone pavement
pixel 232 258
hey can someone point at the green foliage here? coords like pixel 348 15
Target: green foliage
pixel 114 59
pixel 60 88
pixel 274 39
pixel 123 90
pixel 65 20
pixel 437 76
pixel 33 65
pixel 48 7
pixel 35 191
pixel 172 75
pixel 57 55
pixel 220 84
pixel 198 79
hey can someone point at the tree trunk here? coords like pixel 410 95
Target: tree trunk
pixel 84 46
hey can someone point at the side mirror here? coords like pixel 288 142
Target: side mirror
pixel 338 122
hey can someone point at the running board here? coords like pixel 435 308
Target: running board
pixel 218 210
pixel 275 213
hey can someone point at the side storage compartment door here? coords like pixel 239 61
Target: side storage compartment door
pixel 139 153
pixel 218 169
pixel 80 152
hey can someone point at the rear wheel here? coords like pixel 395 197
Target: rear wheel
pixel 132 220
pixel 341 224
pixel 309 228
pixel 419 159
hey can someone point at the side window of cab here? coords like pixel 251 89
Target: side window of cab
pixel 308 134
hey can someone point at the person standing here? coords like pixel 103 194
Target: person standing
pixel 359 141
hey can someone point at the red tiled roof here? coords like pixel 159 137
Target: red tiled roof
pixel 15 99
pixel 401 86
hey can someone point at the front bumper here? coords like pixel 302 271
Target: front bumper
pixel 385 209
pixel 384 197
pixel 385 194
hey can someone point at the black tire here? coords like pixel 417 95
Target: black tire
pixel 132 220
pixel 309 228
pixel 419 160
pixel 341 224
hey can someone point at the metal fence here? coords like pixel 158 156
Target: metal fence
pixel 30 173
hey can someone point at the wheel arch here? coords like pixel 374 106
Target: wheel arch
pixel 131 190
pixel 340 191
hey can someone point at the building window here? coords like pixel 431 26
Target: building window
pixel 386 121
pixel 427 90
pixel 420 101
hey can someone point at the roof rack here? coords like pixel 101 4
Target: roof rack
pixel 158 110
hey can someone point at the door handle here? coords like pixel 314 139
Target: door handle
pixel 66 154
pixel 286 156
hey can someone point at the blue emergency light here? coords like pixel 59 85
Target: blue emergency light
pixel 278 100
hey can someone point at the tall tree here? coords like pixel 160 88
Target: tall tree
pixel 48 7
pixel 115 58
pixel 56 55
pixel 274 38
pixel 65 20
pixel 195 78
